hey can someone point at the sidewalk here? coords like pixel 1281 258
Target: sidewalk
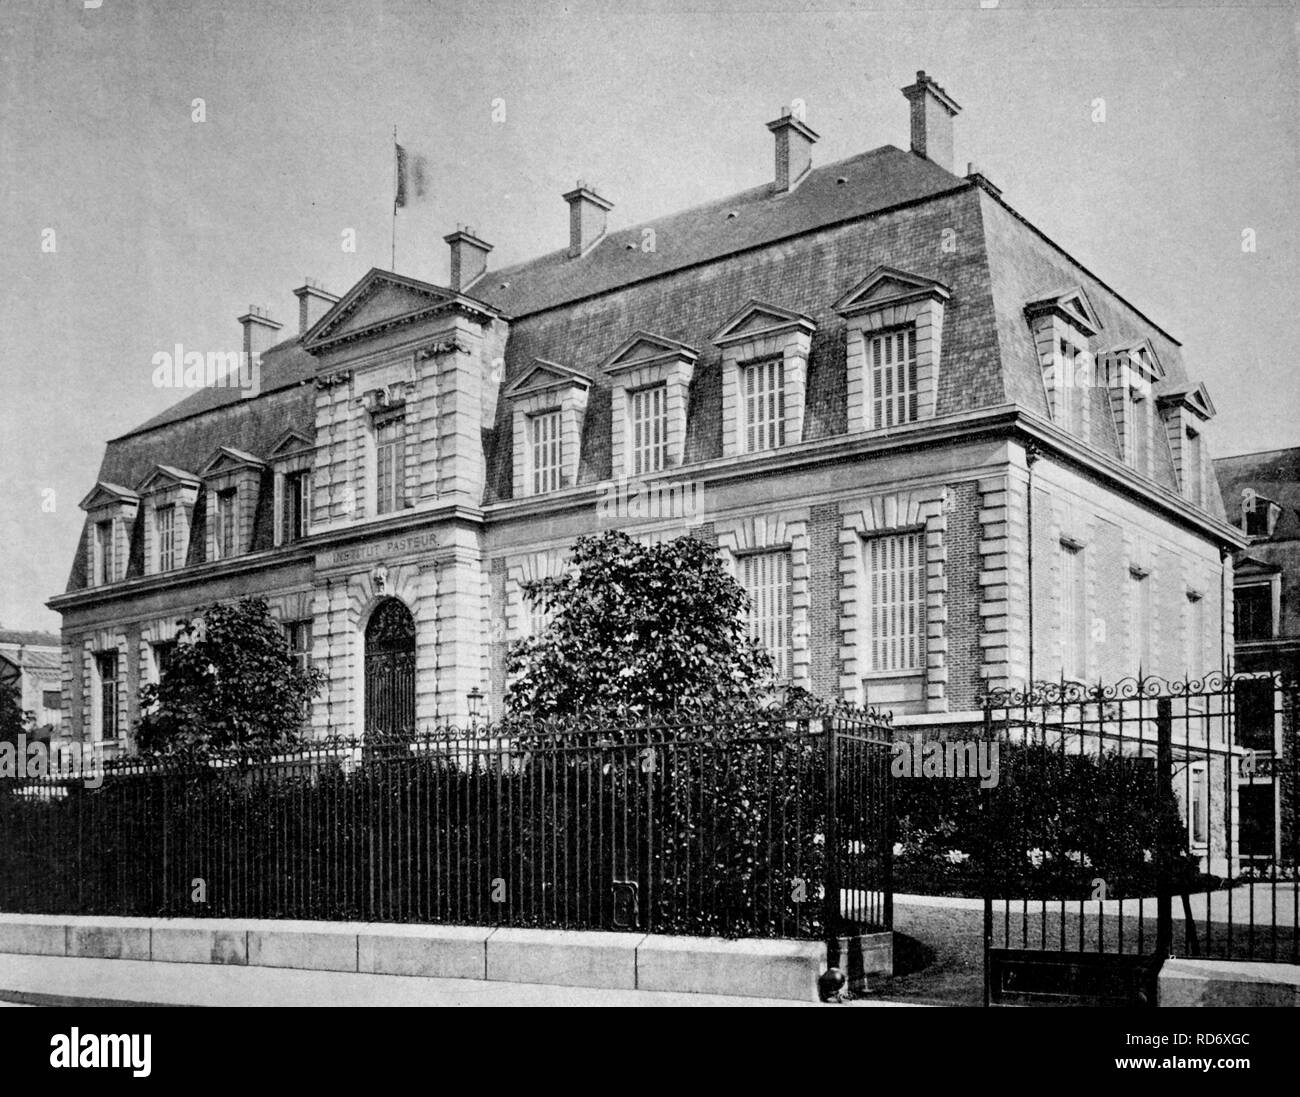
pixel 56 980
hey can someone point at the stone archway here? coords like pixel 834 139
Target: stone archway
pixel 390 669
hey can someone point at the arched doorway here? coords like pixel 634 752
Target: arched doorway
pixel 390 669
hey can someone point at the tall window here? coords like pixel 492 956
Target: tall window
pixel 1138 443
pixel 165 525
pixel 766 578
pixel 1196 666
pixel 1066 385
pixel 895 568
pixel 1192 466
pixel 649 422
pixel 892 355
pixel 224 539
pixel 1252 614
pixel 106 663
pixel 390 465
pixel 1198 813
pixel 544 444
pixel 164 651
pixel 298 636
pixel 762 388
pixel 103 552
pixel 1140 582
pixel 1073 612
pixel 297 506
pixel 1253 701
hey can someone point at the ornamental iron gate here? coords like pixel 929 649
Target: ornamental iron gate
pixel 1135 822
pixel 390 670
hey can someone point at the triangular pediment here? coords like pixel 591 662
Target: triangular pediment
pixel 1195 397
pixel 379 301
pixel 543 375
pixel 1072 304
pixel 643 347
pixel 758 318
pixel 291 441
pixel 887 286
pixel 105 494
pixel 226 458
pixel 1253 567
pixel 161 477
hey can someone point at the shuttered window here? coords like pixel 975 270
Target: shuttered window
pixel 895 570
pixel 762 387
pixel 892 355
pixel 649 423
pixel 544 442
pixel 766 578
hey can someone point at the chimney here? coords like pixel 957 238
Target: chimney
pixel 932 115
pixel 259 331
pixel 586 218
pixel 794 142
pixel 314 301
pixel 468 257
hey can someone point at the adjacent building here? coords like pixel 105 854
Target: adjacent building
pixel 940 453
pixel 31 663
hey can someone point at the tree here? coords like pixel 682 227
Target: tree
pixel 229 682
pixel 639 631
pixel 14 719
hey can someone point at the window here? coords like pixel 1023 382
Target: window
pixel 1253 700
pixel 165 526
pixel 390 465
pixel 163 653
pixel 895 567
pixel 1260 519
pixel 298 636
pixel 649 423
pixel 766 578
pixel 1252 617
pixel 1073 612
pixel 297 506
pixel 106 664
pixel 51 700
pixel 1198 813
pixel 1256 815
pixel 1140 582
pixel 1138 449
pixel 762 390
pixel 544 445
pixel 1196 666
pixel 224 538
pixel 1192 467
pixel 103 552
pixel 1068 399
pixel 892 355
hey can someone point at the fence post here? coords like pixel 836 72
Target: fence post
pixel 987 873
pixel 831 882
pixel 1164 797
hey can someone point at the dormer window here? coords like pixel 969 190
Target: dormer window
pixel 1258 515
pixel 111 511
pixel 165 532
pixel 104 555
pixel 895 348
pixel 224 519
pixel 548 401
pixel 765 351
pixel 1063 325
pixel 650 379
pixel 291 462
pixel 894 389
pixel 297 506
pixel 545 450
pixel 1185 412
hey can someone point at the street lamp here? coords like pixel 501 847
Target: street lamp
pixel 475 704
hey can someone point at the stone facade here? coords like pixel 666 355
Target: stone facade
pixel 936 528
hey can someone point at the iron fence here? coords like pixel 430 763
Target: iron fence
pixel 701 829
pixel 1143 819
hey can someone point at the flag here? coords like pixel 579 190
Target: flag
pixel 412 175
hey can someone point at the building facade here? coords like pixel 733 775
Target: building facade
pixel 31 663
pixel 1261 495
pixel 939 452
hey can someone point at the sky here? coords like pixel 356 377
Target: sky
pixel 166 163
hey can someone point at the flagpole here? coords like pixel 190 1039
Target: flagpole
pixel 396 183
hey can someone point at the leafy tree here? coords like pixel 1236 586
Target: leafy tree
pixel 230 682
pixel 14 719
pixel 641 631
